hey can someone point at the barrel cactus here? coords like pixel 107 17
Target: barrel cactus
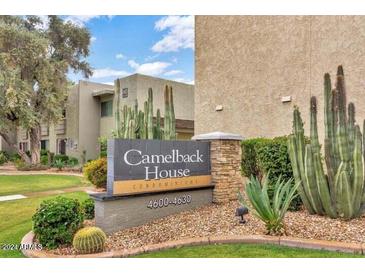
pixel 89 240
pixel 340 192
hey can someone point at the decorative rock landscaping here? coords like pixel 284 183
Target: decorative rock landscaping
pixel 217 224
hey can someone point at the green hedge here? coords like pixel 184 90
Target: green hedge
pixel 57 220
pixel 88 207
pixel 261 155
pixel 4 157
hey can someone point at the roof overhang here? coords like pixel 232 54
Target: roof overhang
pixel 103 92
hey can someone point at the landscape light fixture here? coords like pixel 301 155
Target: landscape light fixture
pixel 241 212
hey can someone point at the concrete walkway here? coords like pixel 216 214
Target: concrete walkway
pixel 9 169
pixel 41 172
pixel 11 197
pixel 87 189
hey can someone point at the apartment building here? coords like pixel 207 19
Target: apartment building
pixel 90 114
pixel 252 70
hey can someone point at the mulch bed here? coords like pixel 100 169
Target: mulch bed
pixel 215 220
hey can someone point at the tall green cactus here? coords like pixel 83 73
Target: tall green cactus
pixel 172 115
pixel 167 118
pixel 150 115
pixel 340 193
pixel 141 124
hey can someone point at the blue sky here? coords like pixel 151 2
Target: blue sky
pixel 161 46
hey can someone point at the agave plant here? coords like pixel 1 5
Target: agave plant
pixel 270 211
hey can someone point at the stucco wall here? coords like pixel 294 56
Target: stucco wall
pixel 247 63
pixel 89 118
pixel 107 124
pixel 139 84
pixel 72 121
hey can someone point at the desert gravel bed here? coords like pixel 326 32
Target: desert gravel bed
pixel 220 220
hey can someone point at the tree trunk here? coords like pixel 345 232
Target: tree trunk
pixel 21 153
pixel 35 144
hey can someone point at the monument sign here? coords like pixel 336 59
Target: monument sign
pixel 149 179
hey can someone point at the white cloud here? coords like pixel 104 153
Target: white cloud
pixel 180 33
pixel 172 72
pixel 153 69
pixel 108 72
pixel 92 39
pixel 80 20
pixel 183 80
pixel 151 57
pixel 119 56
pixel 45 22
pixel 108 83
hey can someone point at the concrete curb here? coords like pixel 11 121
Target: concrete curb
pixel 356 248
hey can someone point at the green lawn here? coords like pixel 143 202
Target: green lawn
pixel 15 219
pixel 245 251
pixel 20 184
pixel 15 222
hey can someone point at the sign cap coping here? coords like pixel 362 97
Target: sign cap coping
pixel 217 135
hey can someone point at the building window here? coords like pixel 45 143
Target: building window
pixel 45 144
pixel 125 93
pixel 23 146
pixel 107 108
pixel 61 146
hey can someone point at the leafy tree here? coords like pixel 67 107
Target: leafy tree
pixel 34 62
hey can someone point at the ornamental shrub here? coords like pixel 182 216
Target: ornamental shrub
pixel 4 157
pixel 261 155
pixel 96 172
pixel 44 152
pixel 44 160
pixel 249 162
pixel 72 161
pixel 103 144
pixel 57 220
pixel 13 157
pixel 62 157
pixel 88 207
pixel 59 164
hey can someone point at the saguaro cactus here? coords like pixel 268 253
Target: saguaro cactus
pixel 138 124
pixel 340 193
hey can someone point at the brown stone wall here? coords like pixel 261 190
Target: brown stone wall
pixel 225 166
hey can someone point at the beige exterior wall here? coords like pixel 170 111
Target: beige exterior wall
pixel 107 124
pixel 84 124
pixel 247 63
pixel 183 95
pixel 138 86
pixel 72 121
pixel 89 118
